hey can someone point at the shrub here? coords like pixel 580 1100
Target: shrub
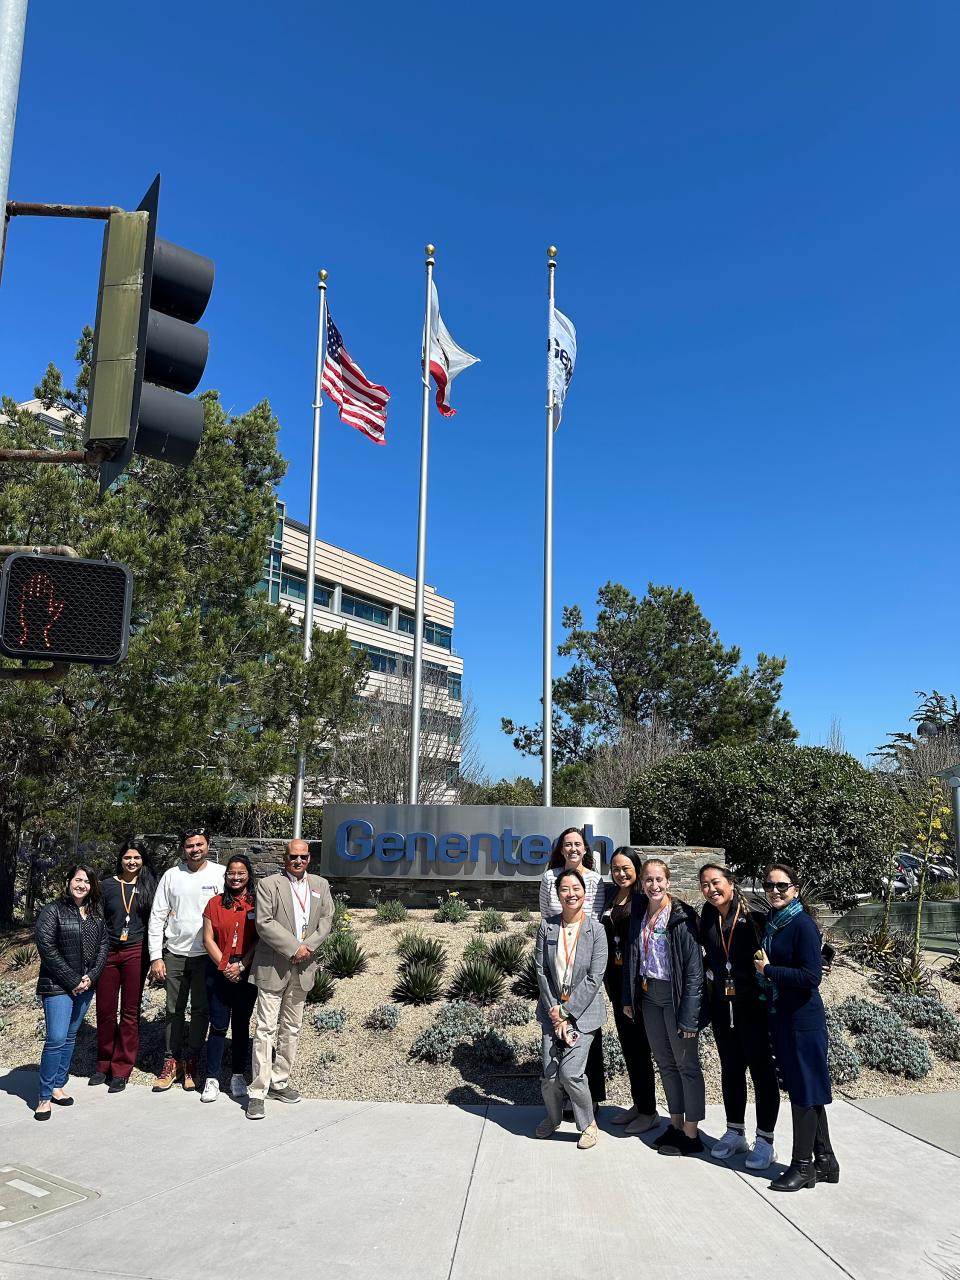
pixel 926 1011
pixel 521 916
pixel 385 1017
pixel 491 921
pixel 476 949
pixel 391 912
pixel 345 956
pixel 341 913
pixel 614 1063
pixel 532 929
pixel 329 1019
pixel 909 976
pixel 477 980
pixel 876 948
pixel 506 954
pixel 324 1059
pixel 951 971
pixel 943 890
pixel 454 1024
pixel 425 951
pixel 419 983
pixel 22 957
pixel 946 1043
pixel 526 984
pixel 407 939
pixel 10 995
pixel 452 909
pixel 863 1017
pixel 512 1012
pixel 322 989
pixel 494 1050
pixel 843 1061
pixel 897 1051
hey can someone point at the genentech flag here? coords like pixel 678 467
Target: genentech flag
pixel 561 357
pixel 446 358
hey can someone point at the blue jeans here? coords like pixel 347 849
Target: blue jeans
pixel 63 1015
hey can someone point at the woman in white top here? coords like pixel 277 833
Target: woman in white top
pixel 571 853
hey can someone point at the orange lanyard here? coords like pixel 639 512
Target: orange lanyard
pixel 726 944
pixel 123 895
pixel 566 948
pixel 301 902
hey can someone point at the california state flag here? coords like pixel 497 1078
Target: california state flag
pixel 446 358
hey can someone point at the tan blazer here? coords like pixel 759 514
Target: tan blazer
pixel 277 937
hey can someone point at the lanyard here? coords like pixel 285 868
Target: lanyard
pixel 301 902
pixel 727 942
pixel 123 894
pixel 647 933
pixel 568 961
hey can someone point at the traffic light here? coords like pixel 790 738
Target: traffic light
pixel 147 350
pixel 64 609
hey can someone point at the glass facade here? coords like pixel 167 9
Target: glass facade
pixel 293 585
pixel 357 607
pixel 384 660
pixel 454 686
pixel 436 634
pixel 407 623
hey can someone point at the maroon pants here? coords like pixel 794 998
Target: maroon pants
pixel 122 980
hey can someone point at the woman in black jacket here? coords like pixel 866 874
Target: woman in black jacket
pixel 663 981
pixel 730 934
pixel 72 942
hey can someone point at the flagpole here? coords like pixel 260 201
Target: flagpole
pixel 413 791
pixel 312 543
pixel 548 555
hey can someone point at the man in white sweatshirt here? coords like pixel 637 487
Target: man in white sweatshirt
pixel 175 941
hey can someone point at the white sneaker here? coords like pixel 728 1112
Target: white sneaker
pixel 211 1090
pixel 761 1156
pixel 729 1145
pixel 238 1086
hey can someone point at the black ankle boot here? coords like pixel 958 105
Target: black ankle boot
pixel 800 1174
pixel 826 1168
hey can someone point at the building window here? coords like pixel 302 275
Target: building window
pixel 453 775
pixel 454 686
pixel 270 582
pixel 384 660
pixel 407 623
pixel 439 635
pixel 357 607
pixel 293 585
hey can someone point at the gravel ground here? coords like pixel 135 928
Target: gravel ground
pixel 358 1063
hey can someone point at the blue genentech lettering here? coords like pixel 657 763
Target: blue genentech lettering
pixel 356 841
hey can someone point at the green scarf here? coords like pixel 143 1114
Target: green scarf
pixel 776 920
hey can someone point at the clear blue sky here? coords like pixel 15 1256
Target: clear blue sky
pixel 756 207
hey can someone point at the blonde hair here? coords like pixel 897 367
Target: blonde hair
pixel 655 862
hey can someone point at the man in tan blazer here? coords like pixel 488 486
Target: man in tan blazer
pixel 294 915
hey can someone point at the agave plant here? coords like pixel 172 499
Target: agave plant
pixel 418 983
pixel 408 939
pixel 322 989
pixel 426 951
pixel 345 957
pixel 479 981
pixel 507 953
pixel 526 983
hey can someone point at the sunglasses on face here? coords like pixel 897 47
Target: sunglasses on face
pixel 298 857
pixel 777 886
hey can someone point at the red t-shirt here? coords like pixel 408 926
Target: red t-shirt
pixel 234 928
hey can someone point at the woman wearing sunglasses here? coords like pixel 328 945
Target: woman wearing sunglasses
pixel 790 967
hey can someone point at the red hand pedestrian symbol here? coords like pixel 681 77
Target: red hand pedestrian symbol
pixel 39 608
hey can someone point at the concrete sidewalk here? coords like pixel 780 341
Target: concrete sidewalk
pixel 165 1188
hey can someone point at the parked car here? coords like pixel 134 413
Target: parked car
pixel 935 870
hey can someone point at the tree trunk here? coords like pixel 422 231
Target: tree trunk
pixel 9 855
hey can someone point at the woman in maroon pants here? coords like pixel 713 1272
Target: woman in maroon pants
pixel 127 898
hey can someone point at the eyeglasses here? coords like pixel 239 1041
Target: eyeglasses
pixel 777 886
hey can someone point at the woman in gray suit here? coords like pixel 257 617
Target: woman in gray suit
pixel 571 958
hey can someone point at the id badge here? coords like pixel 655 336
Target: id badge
pixel 564 995
pixel 730 989
pixel 124 934
pixel 644 984
pixel 617 953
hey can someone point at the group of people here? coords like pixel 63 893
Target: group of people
pixel 752 976
pixel 222 944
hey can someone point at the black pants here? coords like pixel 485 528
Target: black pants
pixel 639 1060
pixel 811 1133
pixel 595 1077
pixel 746 1047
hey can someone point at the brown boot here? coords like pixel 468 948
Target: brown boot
pixel 191 1072
pixel 167 1076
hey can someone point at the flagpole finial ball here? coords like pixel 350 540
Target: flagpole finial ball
pixel 431 250
pixel 552 251
pixel 323 273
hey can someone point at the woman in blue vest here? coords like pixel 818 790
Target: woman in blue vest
pixel 790 969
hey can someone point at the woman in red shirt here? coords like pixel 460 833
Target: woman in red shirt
pixel 229 936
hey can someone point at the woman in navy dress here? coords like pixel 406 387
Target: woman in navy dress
pixel 790 968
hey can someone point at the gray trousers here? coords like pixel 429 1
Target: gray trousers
pixel 677 1060
pixel 564 1072
pixel 186 981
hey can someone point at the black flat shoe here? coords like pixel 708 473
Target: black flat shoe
pixel 681 1145
pixel 41 1115
pixel 798 1177
pixel 826 1169
pixel 668 1137
pixel 98 1077
pixel 117 1084
pixel 62 1102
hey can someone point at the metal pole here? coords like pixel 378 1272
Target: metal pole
pixel 548 555
pixel 13 22
pixel 955 801
pixel 312 536
pixel 413 791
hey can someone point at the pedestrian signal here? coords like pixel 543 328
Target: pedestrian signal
pixel 64 609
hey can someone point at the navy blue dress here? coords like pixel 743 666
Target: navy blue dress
pixel 798 1025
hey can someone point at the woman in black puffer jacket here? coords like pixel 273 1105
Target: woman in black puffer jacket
pixel 72 942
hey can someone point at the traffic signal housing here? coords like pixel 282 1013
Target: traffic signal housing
pixel 148 352
pixel 64 609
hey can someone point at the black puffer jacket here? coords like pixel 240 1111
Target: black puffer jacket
pixel 686 963
pixel 69 948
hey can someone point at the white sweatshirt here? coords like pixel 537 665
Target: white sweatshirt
pixel 176 918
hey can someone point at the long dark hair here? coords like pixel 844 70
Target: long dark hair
pixel 228 897
pixel 557 859
pixel 738 896
pixel 94 899
pixel 626 852
pixel 147 879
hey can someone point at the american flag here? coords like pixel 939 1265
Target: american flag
pixel 362 403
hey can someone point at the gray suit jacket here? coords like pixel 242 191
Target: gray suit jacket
pixel 277 937
pixel 586 1006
